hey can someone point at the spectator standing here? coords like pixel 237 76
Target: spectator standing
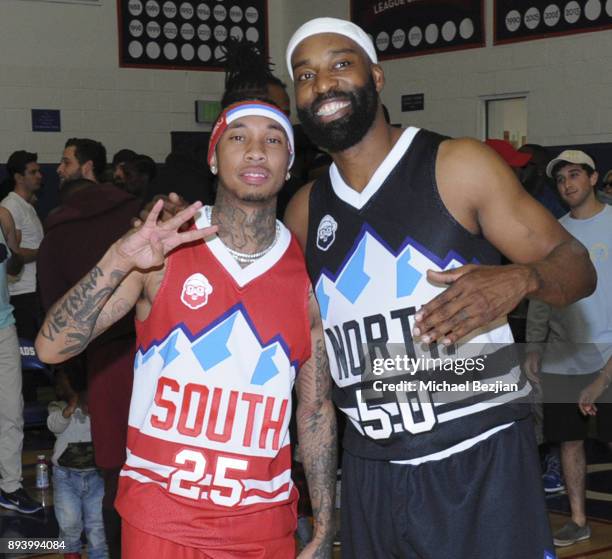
pixel 577 360
pixel 12 494
pixel 24 173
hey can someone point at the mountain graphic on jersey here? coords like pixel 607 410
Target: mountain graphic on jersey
pixel 211 412
pixel 379 290
pixel 383 288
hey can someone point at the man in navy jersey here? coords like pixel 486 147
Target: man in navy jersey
pixel 225 325
pixel 402 240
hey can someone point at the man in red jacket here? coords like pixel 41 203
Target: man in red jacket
pixel 77 234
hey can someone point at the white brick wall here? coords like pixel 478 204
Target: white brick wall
pixel 62 56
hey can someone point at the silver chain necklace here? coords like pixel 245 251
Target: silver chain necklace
pixel 245 257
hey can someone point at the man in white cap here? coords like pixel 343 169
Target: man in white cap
pixel 225 325
pixel 576 361
pixel 413 268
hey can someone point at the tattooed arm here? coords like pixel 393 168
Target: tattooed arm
pixel 316 422
pixel 112 287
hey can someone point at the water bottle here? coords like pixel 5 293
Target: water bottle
pixel 42 472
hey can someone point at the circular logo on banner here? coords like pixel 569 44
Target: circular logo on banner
pixel 609 7
pixel 169 9
pixel 135 28
pixel 236 33
pixel 572 12
pixel 152 8
pixel 449 31
pixel 153 29
pixel 203 32
pixel 251 15
pixel 219 12
pixel 466 28
pixel 170 30
pixel 398 38
pixel 431 33
pixel 170 51
pixel 204 53
pixel 513 21
pixel 382 41
pixel 592 9
pixel 552 15
pixel 135 49
pixel 186 10
pixel 135 7
pixel 187 31
pixel 415 36
pixel 532 18
pixel 203 11
pixel 235 13
pixel 252 34
pixel 153 50
pixel 219 53
pixel 220 33
pixel 187 52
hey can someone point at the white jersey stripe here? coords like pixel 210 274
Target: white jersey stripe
pixel 462 446
pixel 254 499
pixel 268 486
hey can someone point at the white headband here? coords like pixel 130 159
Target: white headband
pixel 331 25
pixel 250 108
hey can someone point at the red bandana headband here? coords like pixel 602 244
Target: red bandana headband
pixel 250 108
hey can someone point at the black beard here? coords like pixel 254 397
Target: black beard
pixel 347 131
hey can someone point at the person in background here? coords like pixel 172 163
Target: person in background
pixel 534 180
pixel 138 173
pixel 120 158
pixel 78 487
pixel 77 234
pixel 605 192
pixel 576 361
pixel 24 172
pixel 12 494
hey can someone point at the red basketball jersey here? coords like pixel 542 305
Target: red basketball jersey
pixel 208 455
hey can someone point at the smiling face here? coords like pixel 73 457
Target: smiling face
pixel 336 89
pixel 252 157
pixel 575 185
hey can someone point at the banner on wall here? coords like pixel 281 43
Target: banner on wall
pixel 86 2
pixel 524 20
pixel 186 34
pixel 401 28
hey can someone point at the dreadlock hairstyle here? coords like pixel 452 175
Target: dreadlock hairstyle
pixel 247 73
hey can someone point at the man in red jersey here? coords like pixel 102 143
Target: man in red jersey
pixel 225 323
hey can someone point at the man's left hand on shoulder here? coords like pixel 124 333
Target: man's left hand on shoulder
pixel 476 296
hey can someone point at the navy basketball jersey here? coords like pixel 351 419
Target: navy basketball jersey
pixel 367 255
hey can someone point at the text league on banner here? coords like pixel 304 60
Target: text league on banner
pixel 524 20
pixel 186 34
pixel 402 28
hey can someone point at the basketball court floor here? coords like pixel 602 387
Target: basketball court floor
pixel 599 507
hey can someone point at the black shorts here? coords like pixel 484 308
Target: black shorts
pixel 563 420
pixel 484 502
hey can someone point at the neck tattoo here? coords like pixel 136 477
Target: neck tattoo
pixel 245 257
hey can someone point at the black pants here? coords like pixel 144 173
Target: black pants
pixel 481 503
pixel 28 315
